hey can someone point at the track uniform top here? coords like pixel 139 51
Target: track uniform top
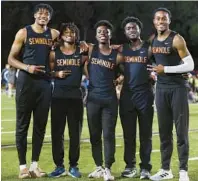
pixel 165 54
pixel 101 70
pixel 136 76
pixel 37 47
pixel 69 87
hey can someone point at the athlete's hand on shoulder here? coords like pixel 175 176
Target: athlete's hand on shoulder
pixel 158 69
pixel 55 45
pixel 84 47
pixel 33 69
pixel 63 73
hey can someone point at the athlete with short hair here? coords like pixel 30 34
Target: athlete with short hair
pixel 172 58
pixel 102 103
pixel 33 86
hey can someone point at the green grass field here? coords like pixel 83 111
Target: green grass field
pixel 9 160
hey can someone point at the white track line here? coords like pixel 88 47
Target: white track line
pixel 7 132
pixel 193 158
pixel 8 120
pixel 8 108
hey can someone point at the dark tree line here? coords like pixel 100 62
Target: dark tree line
pixel 16 15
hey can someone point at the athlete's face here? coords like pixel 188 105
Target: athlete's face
pixel 69 36
pixel 103 34
pixel 161 21
pixel 132 31
pixel 42 17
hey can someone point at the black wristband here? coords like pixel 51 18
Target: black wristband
pixel 84 53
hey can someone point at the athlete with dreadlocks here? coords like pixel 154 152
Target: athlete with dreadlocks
pixel 66 63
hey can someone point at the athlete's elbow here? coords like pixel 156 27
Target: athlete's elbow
pixel 11 60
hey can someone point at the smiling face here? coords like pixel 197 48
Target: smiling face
pixel 161 21
pixel 42 17
pixel 132 31
pixel 103 34
pixel 69 36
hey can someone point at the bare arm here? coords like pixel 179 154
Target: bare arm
pixel 14 53
pixel 86 69
pixel 85 60
pixel 16 48
pixel 150 41
pixel 149 52
pixel 55 34
pixel 84 46
pixel 120 61
pixel 119 69
pixel 188 64
pixel 120 58
pixel 180 45
pixel 90 48
pixel 52 60
pixel 187 61
pixel 84 51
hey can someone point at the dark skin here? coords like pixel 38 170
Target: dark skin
pixel 161 22
pixel 68 47
pixel 42 18
pixel 103 36
pixel 132 32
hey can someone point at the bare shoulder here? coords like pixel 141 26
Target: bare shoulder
pixel 178 41
pixel 21 34
pixel 55 33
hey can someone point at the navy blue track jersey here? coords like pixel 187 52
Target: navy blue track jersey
pixel 68 87
pixel 166 55
pixel 136 76
pixel 102 73
pixel 37 47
